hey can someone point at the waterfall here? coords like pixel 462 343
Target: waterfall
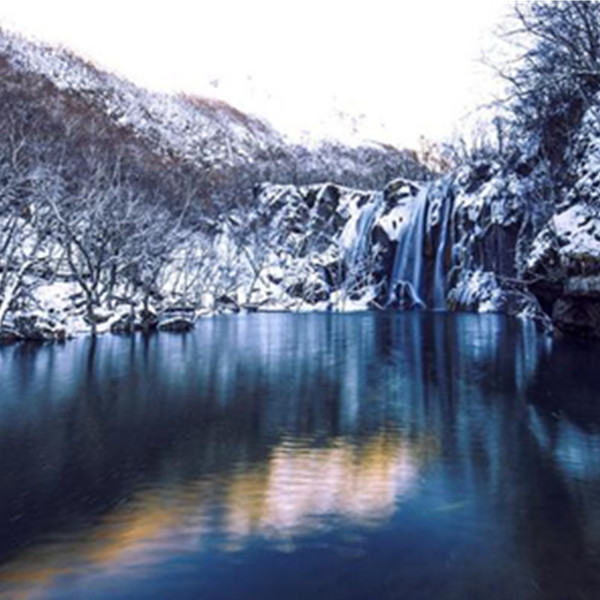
pixel 357 234
pixel 408 269
pixel 439 273
pixel 418 274
pixel 419 281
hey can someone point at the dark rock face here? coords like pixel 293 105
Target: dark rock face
pixel 489 213
pixel 472 223
pixel 577 317
pixel 385 262
pixel 310 292
pixel 321 246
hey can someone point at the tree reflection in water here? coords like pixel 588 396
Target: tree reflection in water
pixel 439 454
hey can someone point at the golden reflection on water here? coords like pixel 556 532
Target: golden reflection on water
pixel 300 489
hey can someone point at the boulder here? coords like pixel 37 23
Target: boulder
pixel 176 324
pixel 397 189
pixel 98 316
pixel 177 319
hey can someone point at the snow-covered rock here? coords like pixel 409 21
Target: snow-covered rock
pixel 177 319
pixel 32 326
pixel 565 267
pixel 124 323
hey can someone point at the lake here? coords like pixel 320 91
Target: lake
pixel 287 456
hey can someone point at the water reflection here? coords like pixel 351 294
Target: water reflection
pixel 441 455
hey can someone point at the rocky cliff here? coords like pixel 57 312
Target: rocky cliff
pixel 564 261
pixel 478 239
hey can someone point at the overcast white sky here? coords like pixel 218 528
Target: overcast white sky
pixel 399 68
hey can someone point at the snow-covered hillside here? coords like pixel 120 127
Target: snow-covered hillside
pixel 204 134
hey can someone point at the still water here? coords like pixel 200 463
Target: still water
pixel 371 456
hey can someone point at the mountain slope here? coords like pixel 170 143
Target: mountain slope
pixel 223 150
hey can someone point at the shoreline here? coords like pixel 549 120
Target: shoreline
pixel 181 326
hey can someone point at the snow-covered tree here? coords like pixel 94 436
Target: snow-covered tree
pixel 556 72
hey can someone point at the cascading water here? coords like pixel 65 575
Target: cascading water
pixel 415 281
pixel 408 270
pixel 439 273
pixel 357 235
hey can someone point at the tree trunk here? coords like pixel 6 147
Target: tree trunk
pixel 12 290
pixel 92 318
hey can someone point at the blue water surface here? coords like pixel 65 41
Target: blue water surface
pixel 290 456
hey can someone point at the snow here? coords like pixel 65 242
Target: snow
pixel 477 289
pixel 397 219
pixel 54 297
pixel 541 249
pixel 578 231
pixel 181 125
pixel 572 236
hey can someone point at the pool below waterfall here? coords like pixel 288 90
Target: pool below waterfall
pixel 360 456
